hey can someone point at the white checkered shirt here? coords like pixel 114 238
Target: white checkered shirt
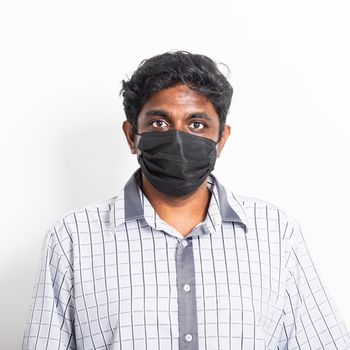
pixel 113 275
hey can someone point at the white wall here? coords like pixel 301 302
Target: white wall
pixel 61 140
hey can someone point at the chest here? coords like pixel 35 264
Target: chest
pixel 132 285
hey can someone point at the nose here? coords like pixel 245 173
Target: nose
pixel 179 125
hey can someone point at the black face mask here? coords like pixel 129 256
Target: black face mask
pixel 174 162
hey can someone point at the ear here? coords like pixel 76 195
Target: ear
pixel 225 135
pixel 130 136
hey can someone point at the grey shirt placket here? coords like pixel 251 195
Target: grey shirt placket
pixel 187 306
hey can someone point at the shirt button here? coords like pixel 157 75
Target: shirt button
pixel 184 243
pixel 187 288
pixel 188 337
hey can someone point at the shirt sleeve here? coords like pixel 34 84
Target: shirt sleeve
pixel 50 322
pixel 311 318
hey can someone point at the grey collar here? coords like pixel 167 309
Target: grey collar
pixel 133 208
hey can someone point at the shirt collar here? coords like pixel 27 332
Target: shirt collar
pixel 128 205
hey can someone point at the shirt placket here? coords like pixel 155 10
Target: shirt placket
pixel 185 269
pixel 187 306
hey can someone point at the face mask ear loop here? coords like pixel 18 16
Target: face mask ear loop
pixel 135 131
pixel 216 143
pixel 220 137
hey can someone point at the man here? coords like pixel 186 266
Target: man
pixel 177 261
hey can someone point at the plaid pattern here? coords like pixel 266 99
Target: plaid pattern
pixel 113 275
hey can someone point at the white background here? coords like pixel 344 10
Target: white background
pixel 60 136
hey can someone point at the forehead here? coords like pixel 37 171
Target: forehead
pixel 179 97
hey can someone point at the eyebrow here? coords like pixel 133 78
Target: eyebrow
pixel 164 114
pixel 159 112
pixel 199 116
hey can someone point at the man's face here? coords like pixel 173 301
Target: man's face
pixel 178 108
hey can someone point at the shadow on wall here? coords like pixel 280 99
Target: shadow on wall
pixel 17 289
pixel 94 161
pixel 86 163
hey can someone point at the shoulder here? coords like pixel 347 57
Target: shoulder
pixel 264 215
pixel 80 217
pixel 271 224
pixel 258 204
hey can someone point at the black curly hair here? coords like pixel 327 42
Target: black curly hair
pixel 198 72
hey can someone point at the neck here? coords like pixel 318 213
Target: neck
pixel 192 208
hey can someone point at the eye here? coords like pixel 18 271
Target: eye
pixel 159 123
pixel 197 125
